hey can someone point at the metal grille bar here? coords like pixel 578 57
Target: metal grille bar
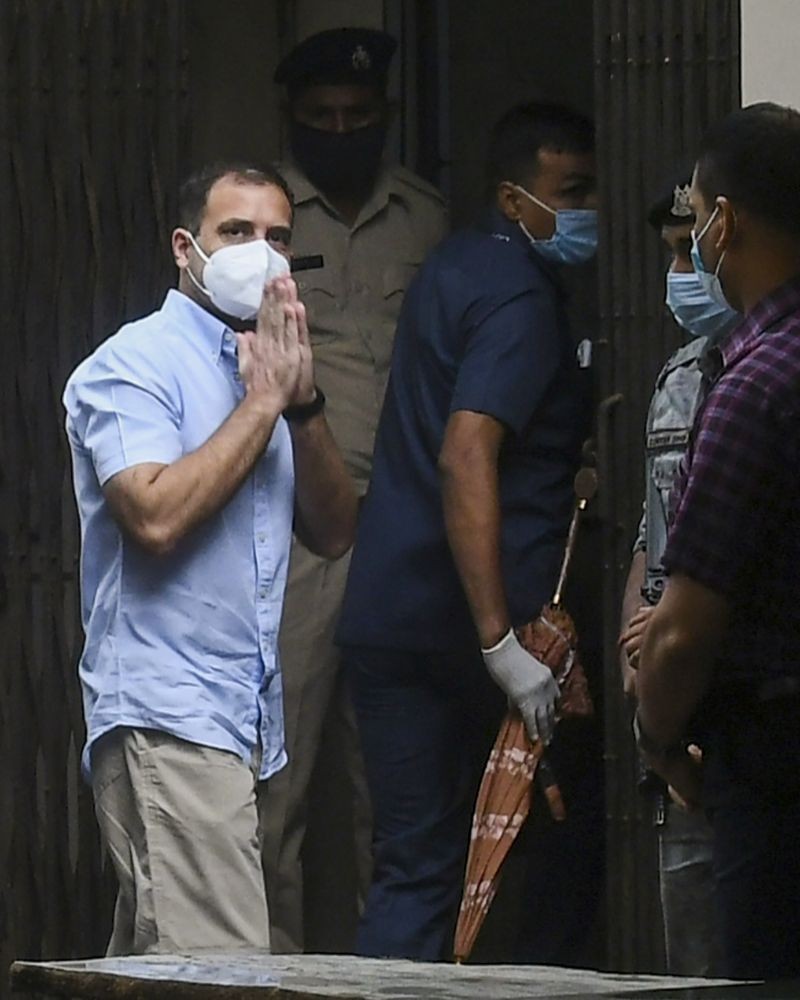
pixel 664 69
pixel 91 138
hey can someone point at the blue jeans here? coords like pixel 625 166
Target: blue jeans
pixel 685 855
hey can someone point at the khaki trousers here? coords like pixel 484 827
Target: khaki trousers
pixel 179 821
pixel 337 849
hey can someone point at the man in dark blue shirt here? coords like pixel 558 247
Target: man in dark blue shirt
pixel 463 527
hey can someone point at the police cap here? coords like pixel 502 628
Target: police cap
pixel 340 55
pixel 672 207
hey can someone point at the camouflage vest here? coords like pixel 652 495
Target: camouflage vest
pixel 669 422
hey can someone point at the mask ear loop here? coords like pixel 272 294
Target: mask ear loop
pixel 197 284
pixel 533 198
pixel 541 204
pixel 698 237
pixel 718 268
pixel 198 248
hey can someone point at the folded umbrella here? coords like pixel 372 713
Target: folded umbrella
pixel 506 791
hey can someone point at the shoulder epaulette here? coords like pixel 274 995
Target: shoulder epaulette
pixel 405 177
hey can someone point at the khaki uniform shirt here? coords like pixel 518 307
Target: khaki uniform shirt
pixel 354 300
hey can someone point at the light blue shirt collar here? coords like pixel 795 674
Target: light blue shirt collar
pixel 214 331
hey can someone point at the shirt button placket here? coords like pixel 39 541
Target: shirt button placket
pixel 263 566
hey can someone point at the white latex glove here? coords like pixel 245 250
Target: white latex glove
pixel 529 684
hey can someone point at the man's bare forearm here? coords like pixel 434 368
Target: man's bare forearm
pixel 160 504
pixel 471 503
pixel 678 657
pixel 632 597
pixel 631 602
pixel 326 503
pixel 670 683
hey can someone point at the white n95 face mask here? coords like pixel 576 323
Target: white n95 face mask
pixel 234 276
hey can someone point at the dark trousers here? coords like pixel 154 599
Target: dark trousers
pixel 566 860
pixel 752 790
pixel 427 722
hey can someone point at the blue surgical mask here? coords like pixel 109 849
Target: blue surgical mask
pixel 708 279
pixel 694 309
pixel 575 238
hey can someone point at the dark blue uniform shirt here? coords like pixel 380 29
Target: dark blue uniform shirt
pixel 483 328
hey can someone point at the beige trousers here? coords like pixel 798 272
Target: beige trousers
pixel 336 854
pixel 179 821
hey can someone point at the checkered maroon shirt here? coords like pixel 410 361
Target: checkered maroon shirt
pixel 736 526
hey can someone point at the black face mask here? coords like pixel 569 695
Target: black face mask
pixel 339 162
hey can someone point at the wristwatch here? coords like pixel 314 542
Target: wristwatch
pixel 650 748
pixel 305 411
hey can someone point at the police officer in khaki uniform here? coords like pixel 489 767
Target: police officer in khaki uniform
pixel 373 224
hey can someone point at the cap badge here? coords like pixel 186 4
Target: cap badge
pixel 361 58
pixel 680 202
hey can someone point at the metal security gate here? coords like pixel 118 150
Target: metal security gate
pixel 664 69
pixel 91 141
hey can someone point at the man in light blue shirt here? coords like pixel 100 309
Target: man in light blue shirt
pixel 199 442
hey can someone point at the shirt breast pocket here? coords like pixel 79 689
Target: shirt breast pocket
pixel 321 293
pixel 396 279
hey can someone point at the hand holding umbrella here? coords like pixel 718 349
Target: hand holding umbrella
pixel 529 684
pixel 504 799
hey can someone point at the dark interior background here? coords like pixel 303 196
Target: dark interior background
pixel 104 107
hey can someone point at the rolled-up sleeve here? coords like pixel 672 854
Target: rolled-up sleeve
pixel 512 356
pixel 122 414
pixel 740 458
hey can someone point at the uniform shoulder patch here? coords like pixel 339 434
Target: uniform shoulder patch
pixel 404 177
pixel 687 356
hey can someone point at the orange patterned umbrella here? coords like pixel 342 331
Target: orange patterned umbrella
pixel 506 791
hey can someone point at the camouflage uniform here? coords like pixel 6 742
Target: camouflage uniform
pixel 684 839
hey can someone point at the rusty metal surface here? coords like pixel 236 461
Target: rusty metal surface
pixel 664 69
pixel 91 133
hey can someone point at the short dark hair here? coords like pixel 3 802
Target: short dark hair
pixel 516 139
pixel 752 157
pixel 193 194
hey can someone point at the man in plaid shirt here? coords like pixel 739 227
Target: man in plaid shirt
pixel 722 651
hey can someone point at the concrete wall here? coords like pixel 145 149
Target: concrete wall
pixel 770 48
